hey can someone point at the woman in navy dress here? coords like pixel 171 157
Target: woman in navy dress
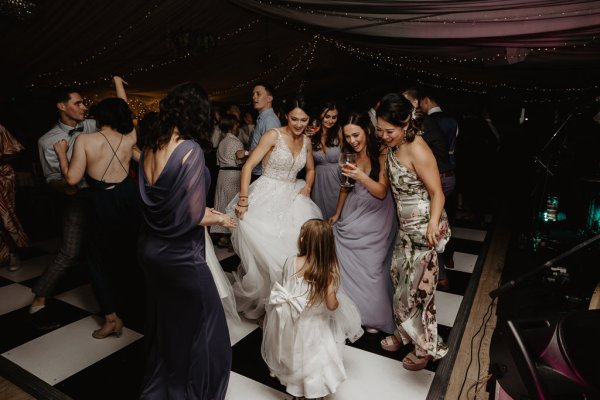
pixel 189 347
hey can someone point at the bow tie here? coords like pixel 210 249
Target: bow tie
pixel 76 129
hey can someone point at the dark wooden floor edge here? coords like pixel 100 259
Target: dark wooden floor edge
pixel 29 382
pixel 438 387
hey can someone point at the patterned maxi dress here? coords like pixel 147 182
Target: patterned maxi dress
pixel 414 268
pixel 11 227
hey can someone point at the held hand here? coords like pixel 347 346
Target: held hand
pixel 224 219
pixel 333 219
pixel 352 171
pixel 305 191
pixel 61 147
pixel 433 231
pixel 240 211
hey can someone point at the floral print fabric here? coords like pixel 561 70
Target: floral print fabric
pixel 414 268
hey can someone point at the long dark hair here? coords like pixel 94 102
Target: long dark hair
pixel 316 242
pixel 186 108
pixel 362 120
pixel 332 138
pixel 397 110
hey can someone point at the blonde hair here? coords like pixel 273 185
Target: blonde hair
pixel 317 244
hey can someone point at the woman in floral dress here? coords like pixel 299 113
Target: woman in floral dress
pixel 416 186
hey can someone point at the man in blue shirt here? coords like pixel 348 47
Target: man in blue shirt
pixel 262 101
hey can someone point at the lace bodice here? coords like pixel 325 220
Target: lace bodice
pixel 282 165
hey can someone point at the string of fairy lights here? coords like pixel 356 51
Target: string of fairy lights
pixel 145 67
pixel 398 65
pixel 311 57
pixel 378 59
pixel 139 106
pixel 300 52
pixel 98 52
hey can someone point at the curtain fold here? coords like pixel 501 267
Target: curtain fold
pixel 480 21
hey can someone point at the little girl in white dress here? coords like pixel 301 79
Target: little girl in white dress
pixel 307 322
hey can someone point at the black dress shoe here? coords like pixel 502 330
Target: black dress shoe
pixel 43 321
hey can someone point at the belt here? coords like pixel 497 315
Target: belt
pixel 447 173
pixel 230 168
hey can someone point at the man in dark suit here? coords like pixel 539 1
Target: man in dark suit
pixel 441 132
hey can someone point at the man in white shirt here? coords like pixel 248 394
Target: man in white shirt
pixel 71 123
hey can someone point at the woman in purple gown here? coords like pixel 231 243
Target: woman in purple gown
pixel 326 146
pixel 189 348
pixel 365 227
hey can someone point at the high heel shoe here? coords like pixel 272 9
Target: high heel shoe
pixel 110 327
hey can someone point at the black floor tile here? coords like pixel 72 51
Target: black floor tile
pixel 230 263
pixel 467 246
pixel 248 361
pixel 28 253
pixel 458 282
pixel 5 282
pixel 17 327
pixel 117 376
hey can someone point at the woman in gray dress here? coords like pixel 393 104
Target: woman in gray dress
pixel 364 225
pixel 326 152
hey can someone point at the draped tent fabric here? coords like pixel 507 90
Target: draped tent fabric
pixel 473 20
pixel 307 46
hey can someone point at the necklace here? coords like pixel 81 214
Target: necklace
pixel 402 141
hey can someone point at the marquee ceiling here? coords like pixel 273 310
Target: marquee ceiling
pixel 532 50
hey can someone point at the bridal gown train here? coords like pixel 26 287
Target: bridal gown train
pixel 269 231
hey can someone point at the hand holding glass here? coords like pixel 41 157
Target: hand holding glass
pixel 314 125
pixel 347 158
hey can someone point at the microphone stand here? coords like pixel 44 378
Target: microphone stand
pixel 542 186
pixel 515 282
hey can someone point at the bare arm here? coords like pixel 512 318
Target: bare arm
pixel 266 143
pixel 310 171
pixel 136 152
pixel 378 188
pixel 72 171
pixel 214 217
pixel 425 166
pixel 119 86
pixel 331 301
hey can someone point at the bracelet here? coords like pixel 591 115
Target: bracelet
pixel 243 197
pixel 239 205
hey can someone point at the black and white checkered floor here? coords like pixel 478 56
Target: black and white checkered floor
pixel 81 367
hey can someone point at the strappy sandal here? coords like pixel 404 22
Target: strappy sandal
pixel 412 362
pixel 390 343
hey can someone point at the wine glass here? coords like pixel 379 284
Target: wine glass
pixel 347 158
pixel 314 125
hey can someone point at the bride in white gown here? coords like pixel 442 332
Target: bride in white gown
pixel 272 209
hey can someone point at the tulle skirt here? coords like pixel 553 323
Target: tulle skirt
pixel 265 237
pixel 305 352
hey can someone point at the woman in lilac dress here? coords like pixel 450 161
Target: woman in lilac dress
pixel 326 146
pixel 189 348
pixel 365 227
